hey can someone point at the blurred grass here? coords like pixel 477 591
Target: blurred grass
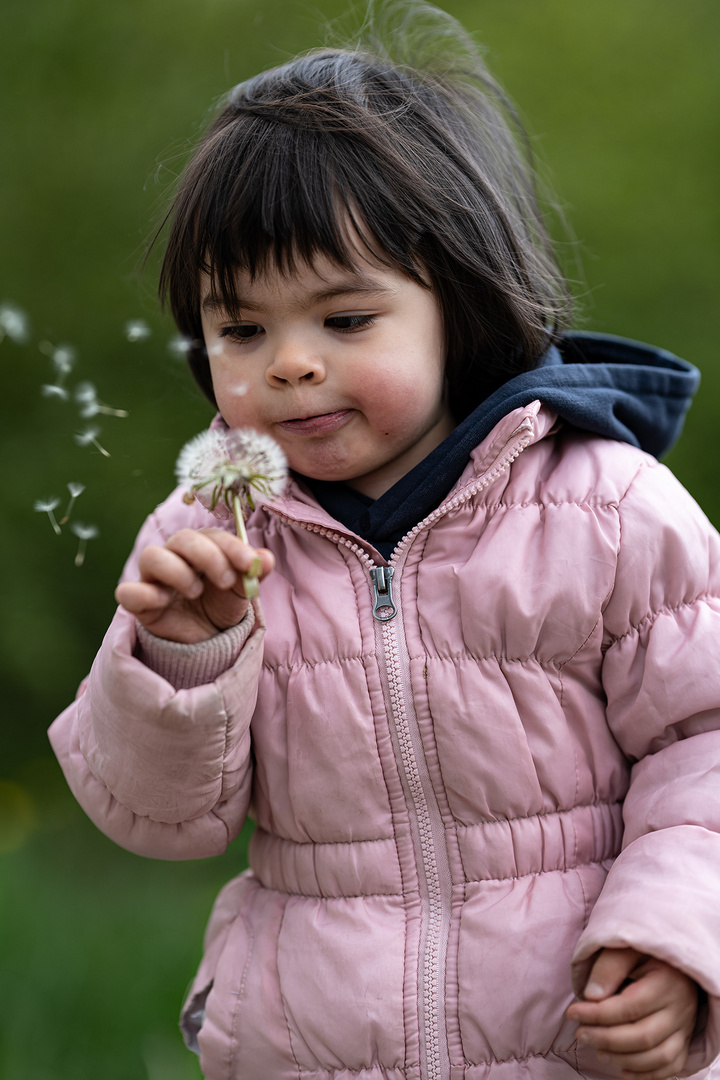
pixel 97 945
pixel 100 103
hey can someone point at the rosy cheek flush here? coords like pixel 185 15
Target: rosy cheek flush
pixel 222 470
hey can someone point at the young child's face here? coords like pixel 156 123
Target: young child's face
pixel 343 368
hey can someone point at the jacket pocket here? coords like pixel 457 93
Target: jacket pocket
pixel 226 910
pixel 233 1016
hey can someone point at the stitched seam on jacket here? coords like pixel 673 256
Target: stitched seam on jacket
pixel 333 1070
pixel 282 998
pixel 456 658
pixel 342 896
pixel 470 881
pixel 597 503
pixel 541 873
pixel 647 621
pixel 234 1039
pixel 529 1057
pixel 297 664
pixel 333 843
pixel 541 814
pixel 226 718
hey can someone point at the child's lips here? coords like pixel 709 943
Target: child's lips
pixel 322 424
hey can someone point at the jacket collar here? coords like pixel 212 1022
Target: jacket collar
pixel 531 423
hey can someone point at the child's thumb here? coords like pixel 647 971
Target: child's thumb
pixel 609 972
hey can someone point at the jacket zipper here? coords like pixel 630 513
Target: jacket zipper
pixel 427 826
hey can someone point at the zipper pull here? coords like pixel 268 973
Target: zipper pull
pixel 384 606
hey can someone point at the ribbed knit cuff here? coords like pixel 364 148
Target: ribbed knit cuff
pixel 185 666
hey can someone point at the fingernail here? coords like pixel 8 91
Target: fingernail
pixel 227 579
pixel 196 588
pixel 594 990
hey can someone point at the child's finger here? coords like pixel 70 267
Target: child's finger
pixel 658 1063
pixel 164 567
pixel 142 597
pixel 637 1000
pixel 609 972
pixel 243 557
pixel 206 553
pixel 630 1038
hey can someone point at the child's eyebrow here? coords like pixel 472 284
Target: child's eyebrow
pixel 362 286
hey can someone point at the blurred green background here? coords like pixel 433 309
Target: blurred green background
pixel 100 103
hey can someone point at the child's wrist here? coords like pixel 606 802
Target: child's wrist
pixel 188 665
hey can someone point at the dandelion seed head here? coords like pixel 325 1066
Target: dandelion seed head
pixel 137 330
pixel 51 390
pixel 14 323
pixel 46 506
pixel 63 357
pixel 215 465
pixel 86 437
pixel 85 393
pixel 75 488
pixel 85 532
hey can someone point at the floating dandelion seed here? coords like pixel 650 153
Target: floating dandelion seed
pixel 14 324
pixel 47 506
pixel 75 489
pixel 86 397
pixel 220 469
pixel 62 356
pixel 54 390
pixel 240 390
pixel 88 437
pixel 137 330
pixel 84 533
pixel 180 346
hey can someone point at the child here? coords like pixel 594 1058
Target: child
pixel 479 737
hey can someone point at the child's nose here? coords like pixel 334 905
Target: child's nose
pixel 294 363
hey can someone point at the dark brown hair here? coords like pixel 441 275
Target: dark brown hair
pixel 426 158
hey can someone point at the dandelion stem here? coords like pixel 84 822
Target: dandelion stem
pixel 46 506
pixel 103 451
pixel 75 490
pixel 250 581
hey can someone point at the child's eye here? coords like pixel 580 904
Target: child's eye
pixel 347 324
pixel 242 332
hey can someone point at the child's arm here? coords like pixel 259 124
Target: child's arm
pixel 167 772
pixel 639 1014
pixel 661 676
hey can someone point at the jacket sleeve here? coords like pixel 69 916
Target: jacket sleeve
pixel 163 772
pixel 661 676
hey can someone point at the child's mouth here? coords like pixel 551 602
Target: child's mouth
pixel 317 425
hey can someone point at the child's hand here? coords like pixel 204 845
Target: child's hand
pixel 645 1029
pixel 192 588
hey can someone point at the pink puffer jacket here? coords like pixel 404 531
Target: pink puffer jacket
pixel 455 806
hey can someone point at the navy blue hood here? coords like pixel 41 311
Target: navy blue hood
pixel 608 385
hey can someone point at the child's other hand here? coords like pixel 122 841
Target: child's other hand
pixel 192 588
pixel 643 1029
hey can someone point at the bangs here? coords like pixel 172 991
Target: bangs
pixel 273 194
